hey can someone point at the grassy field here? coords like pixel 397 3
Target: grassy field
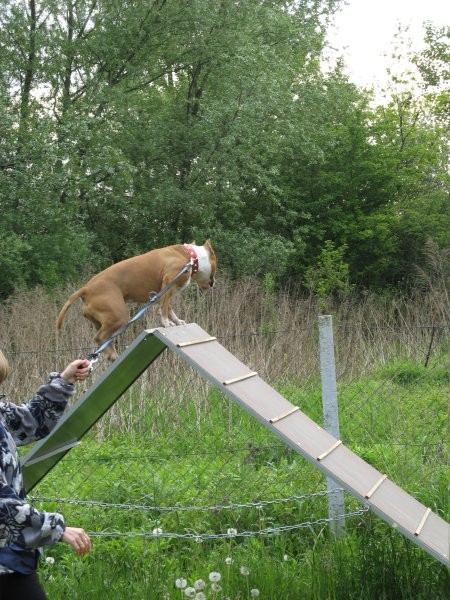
pixel 186 495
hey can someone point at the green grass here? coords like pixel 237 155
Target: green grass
pixel 194 448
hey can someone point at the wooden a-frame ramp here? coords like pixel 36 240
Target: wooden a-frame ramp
pixel 233 378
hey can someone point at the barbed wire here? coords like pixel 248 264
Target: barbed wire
pixel 157 532
pixel 230 534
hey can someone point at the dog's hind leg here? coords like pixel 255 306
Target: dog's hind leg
pixel 107 322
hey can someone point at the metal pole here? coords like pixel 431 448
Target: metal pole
pixel 330 417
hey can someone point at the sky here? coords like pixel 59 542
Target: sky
pixel 364 30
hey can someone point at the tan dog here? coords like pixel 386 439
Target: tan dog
pixel 136 279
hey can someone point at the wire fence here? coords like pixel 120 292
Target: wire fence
pixel 175 459
pixel 173 443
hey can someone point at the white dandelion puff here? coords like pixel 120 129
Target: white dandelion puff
pixel 244 571
pixel 254 593
pixel 215 587
pixel 190 592
pixel 214 576
pixel 232 532
pixel 181 583
pixel 157 531
pixel 199 584
pixel 50 560
pixel 228 560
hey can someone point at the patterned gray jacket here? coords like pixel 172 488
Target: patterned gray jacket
pixel 23 529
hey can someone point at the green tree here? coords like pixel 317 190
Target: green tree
pixel 134 124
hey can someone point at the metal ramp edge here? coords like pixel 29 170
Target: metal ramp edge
pixel 202 351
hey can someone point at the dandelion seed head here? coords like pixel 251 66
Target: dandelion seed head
pixel 232 532
pixel 244 571
pixel 190 592
pixel 200 596
pixel 214 576
pixel 254 593
pixel 228 560
pixel 199 584
pixel 285 557
pixel 180 583
pixel 50 560
pixel 157 531
pixel 215 587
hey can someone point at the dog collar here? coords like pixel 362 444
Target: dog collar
pixel 193 256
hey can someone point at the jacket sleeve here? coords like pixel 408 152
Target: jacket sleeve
pixel 23 525
pixel 35 419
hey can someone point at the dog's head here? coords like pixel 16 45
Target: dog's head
pixel 205 277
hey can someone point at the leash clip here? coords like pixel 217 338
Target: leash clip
pixel 92 358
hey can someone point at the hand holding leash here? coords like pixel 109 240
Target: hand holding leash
pixel 77 370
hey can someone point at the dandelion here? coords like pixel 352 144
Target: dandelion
pixel 214 576
pixel 285 557
pixel 244 571
pixel 157 531
pixel 228 560
pixel 190 592
pixel 254 593
pixel 215 587
pixel 199 584
pixel 50 560
pixel 200 596
pixel 181 583
pixel 231 532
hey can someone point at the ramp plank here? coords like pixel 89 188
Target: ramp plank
pixel 388 500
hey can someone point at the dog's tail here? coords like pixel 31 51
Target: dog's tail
pixel 64 309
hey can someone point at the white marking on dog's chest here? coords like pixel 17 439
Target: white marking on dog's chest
pixel 204 264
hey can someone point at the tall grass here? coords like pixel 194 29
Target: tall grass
pixel 188 461
pixel 369 329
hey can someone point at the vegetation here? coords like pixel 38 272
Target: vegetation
pixel 131 125
pixel 174 466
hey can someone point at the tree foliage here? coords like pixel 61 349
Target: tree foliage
pixel 135 124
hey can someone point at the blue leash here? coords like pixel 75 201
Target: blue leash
pixel 94 356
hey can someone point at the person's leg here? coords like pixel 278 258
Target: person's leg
pixel 21 587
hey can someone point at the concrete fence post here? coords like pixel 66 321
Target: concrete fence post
pixel 331 417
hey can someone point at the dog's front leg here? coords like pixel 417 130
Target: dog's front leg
pixel 165 321
pixel 167 315
pixel 173 317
